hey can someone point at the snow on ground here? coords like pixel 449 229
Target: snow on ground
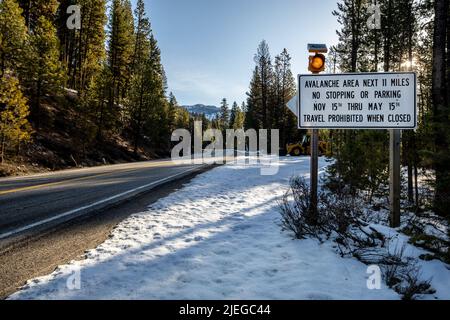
pixel 217 238
pixel 433 270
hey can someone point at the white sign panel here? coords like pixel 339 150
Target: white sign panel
pixel 358 101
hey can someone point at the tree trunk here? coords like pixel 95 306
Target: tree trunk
pixel 448 52
pixel 355 36
pixel 139 120
pixel 387 39
pixel 100 122
pixel 3 66
pixel 416 174
pixel 38 103
pixel 441 110
pixel 409 160
pixel 2 149
pixel 375 66
pixel 422 103
pixel 410 135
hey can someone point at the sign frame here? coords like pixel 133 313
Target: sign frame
pixel 352 127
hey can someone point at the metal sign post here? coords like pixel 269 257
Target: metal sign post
pixel 316 65
pixel 394 181
pixel 314 170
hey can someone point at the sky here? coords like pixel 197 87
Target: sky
pixel 208 45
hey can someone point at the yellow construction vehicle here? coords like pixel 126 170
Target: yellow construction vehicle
pixel 304 147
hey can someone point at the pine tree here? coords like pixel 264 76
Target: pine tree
pixel 260 111
pixel 182 118
pixel 44 71
pixel 284 88
pixel 83 51
pixel 253 115
pixel 13 36
pixel 331 62
pixel 391 35
pixel 14 125
pixel 441 109
pixel 352 16
pixel 237 117
pixel 139 106
pixel 265 75
pixel 68 43
pixel 142 36
pixel 157 126
pixel 150 112
pixel 35 9
pixel 233 113
pixel 173 112
pixel 120 49
pixel 408 32
pixel 224 115
pixel 140 103
pixel 94 101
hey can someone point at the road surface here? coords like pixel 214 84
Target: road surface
pixel 36 202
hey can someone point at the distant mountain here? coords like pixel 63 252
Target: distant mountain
pixel 209 111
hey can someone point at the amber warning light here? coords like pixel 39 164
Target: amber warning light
pixel 317 61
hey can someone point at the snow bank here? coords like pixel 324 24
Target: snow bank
pixel 217 238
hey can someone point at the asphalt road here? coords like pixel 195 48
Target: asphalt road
pixel 33 203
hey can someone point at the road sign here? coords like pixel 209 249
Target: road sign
pixel 358 101
pixel 292 105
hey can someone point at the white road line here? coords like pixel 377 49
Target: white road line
pixel 71 212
